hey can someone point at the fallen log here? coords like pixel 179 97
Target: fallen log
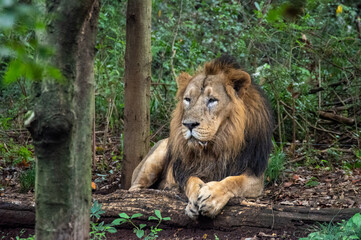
pixel 18 211
pixel 336 118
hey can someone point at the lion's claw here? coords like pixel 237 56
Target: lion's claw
pixel 201 199
pixel 212 197
pixel 192 210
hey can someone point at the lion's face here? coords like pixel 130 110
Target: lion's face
pixel 205 106
pixel 210 109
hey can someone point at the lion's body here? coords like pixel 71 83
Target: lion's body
pixel 220 140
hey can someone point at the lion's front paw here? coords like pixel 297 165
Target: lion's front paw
pixel 212 198
pixel 136 187
pixel 192 210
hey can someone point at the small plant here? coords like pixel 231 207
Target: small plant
pixel 98 230
pixel 344 230
pixel 28 238
pixel 31 237
pixel 16 155
pixel 139 230
pixel 276 164
pixel 27 180
pixel 312 182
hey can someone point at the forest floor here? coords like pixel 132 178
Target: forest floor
pixel 301 184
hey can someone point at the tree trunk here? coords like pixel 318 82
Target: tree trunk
pixel 137 87
pixel 61 123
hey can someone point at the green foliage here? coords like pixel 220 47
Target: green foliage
pixel 27 180
pixel 98 230
pixel 23 58
pixel 20 237
pixel 276 164
pixel 350 229
pixel 139 230
pixel 28 238
pixel 25 55
pixel 109 64
pixel 353 163
pixel 312 182
pixel 15 154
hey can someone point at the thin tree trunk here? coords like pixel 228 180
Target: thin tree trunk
pixel 137 86
pixel 61 123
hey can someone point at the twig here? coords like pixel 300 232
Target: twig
pixel 304 119
pixel 158 130
pixel 109 115
pixel 299 159
pixel 173 42
pixel 94 137
pixel 292 117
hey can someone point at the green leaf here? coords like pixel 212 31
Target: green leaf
pixel 136 215
pixel 166 219
pixel 356 219
pixel 7 20
pixel 54 73
pixel 157 213
pixel 140 233
pixel 141 226
pixel 112 230
pixel 124 215
pixel 13 72
pixel 257 6
pixel 119 221
pixel 153 218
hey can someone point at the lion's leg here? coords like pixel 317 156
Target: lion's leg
pixel 150 168
pixel 191 190
pixel 213 196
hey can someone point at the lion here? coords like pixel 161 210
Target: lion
pixel 219 143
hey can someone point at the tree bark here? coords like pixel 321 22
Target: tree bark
pixel 61 123
pixel 137 87
pixel 236 214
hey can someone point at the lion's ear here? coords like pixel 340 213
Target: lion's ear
pixel 182 82
pixel 240 81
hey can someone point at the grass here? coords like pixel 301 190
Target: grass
pixel 346 230
pixel 276 165
pixel 27 180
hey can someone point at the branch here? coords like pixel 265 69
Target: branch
pixel 173 42
pixel 336 118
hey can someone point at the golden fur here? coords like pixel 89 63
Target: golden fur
pixel 220 139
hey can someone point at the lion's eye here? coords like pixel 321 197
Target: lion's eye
pixel 212 102
pixel 186 101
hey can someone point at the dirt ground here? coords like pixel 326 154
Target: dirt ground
pixel 180 234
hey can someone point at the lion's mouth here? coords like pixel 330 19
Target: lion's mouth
pixel 195 140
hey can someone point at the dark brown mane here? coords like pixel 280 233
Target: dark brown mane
pixel 221 64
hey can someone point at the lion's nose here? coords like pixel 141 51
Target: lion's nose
pixel 191 125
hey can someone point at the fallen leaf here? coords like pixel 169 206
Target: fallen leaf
pixel 287 184
pixel 295 177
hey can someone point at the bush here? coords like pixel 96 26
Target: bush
pixel 350 229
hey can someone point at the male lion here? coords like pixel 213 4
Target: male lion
pixel 220 140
